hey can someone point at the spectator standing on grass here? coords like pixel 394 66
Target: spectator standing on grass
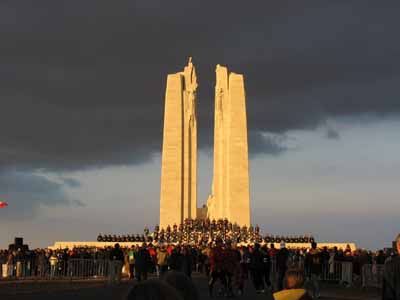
pixel 380 258
pixel 162 260
pixel 142 263
pixel 391 276
pixel 325 255
pixel 266 266
pixel 10 264
pixel 53 263
pixel 314 260
pixel 100 255
pixel 217 257
pixel 3 262
pixel 331 262
pixel 41 263
pixel 127 265
pixel 231 265
pixel 281 264
pixel 272 252
pixel 257 268
pixel 175 259
pixel 116 263
pixel 206 254
pixel 244 268
pixel 347 269
pixel 187 261
pixel 153 258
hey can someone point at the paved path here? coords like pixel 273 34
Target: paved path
pixel 101 291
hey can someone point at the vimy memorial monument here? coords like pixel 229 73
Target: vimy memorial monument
pixel 230 189
pixel 226 212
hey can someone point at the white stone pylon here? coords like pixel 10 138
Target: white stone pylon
pixel 230 189
pixel 178 199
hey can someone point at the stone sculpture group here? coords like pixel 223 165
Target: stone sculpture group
pixel 229 196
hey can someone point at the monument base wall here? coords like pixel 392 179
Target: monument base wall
pixel 70 245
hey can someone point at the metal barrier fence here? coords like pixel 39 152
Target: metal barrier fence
pixel 337 272
pixel 341 272
pixel 372 275
pixel 71 268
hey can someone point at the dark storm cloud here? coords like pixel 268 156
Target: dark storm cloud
pixel 71 182
pixel 82 82
pixel 332 134
pixel 27 192
pixel 268 144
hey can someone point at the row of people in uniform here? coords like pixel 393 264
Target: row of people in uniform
pixel 205 231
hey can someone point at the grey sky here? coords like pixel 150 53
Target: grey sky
pixel 82 84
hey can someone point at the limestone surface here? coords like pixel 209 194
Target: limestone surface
pixel 230 196
pixel 178 199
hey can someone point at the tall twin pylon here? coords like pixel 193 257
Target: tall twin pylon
pixel 229 196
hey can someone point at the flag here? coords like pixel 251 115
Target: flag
pixel 3 204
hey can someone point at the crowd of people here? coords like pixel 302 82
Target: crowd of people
pixel 200 231
pixel 222 259
pixel 267 269
pixel 42 262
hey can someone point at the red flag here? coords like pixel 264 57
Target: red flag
pixel 3 204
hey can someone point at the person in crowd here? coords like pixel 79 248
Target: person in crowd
pixel 187 261
pixel 380 258
pixel 126 264
pixel 244 268
pixel 182 284
pixel 391 276
pixel 257 268
pixel 231 265
pixel 162 260
pixel 217 257
pixel 325 255
pixel 142 263
pixel 206 253
pixel 175 259
pixel 314 262
pixel 10 264
pixel 116 263
pixel 41 263
pixel 153 289
pixel 281 264
pixel 294 290
pixel 131 261
pixel 53 263
pixel 218 262
pixel 266 273
pixel 331 262
pixel 153 258
pixel 272 251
